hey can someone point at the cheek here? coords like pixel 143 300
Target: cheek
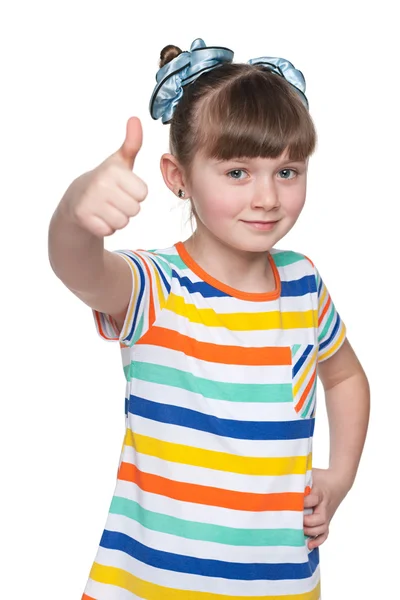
pixel 213 205
pixel 294 204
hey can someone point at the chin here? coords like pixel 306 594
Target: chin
pixel 263 244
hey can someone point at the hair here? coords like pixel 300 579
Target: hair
pixel 238 110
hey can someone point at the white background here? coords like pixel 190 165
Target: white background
pixel 72 73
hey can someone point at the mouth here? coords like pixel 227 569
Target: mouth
pixel 261 225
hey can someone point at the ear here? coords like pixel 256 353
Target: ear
pixel 173 174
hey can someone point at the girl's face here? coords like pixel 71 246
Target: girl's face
pixel 248 204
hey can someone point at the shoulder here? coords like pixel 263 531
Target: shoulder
pixel 292 261
pixel 161 260
pixel 297 272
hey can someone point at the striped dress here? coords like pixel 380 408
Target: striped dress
pixel 217 454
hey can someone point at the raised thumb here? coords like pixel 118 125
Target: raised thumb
pixel 132 143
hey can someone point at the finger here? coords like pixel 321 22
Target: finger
pixel 314 531
pixel 314 520
pixel 131 184
pixel 311 500
pixel 124 203
pixel 132 143
pixel 318 541
pixel 98 226
pixel 112 216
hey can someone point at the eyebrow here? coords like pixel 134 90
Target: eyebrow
pixel 247 160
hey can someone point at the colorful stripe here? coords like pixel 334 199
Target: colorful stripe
pixel 217 353
pixel 150 591
pixel 180 563
pixel 214 390
pixel 216 461
pixel 218 534
pixel 210 496
pixel 229 428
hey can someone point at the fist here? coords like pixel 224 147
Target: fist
pixel 104 199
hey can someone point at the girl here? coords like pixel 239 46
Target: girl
pixel 222 337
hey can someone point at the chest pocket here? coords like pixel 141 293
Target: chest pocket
pixel 304 379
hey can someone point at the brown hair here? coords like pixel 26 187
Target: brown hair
pixel 238 110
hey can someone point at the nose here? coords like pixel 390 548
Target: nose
pixel 265 196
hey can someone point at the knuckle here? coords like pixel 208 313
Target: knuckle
pixel 142 191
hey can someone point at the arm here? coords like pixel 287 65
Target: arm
pixel 96 204
pixel 348 405
pixel 99 278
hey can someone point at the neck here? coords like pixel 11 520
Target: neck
pixel 246 271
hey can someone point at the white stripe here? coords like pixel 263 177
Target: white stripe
pixel 215 371
pixel 216 585
pixel 223 409
pixel 102 591
pixel 207 477
pixel 215 515
pixel 209 441
pixel 224 336
pixel 202 549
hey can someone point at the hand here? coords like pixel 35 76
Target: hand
pixel 325 497
pixel 104 199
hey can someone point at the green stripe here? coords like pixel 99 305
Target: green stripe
pixel 138 332
pixel 282 259
pixel 295 349
pixel 327 325
pixel 305 411
pixel 174 259
pixel 216 390
pixel 204 531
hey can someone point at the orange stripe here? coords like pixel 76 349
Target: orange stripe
pixel 204 276
pixel 86 597
pixel 304 395
pixel 210 496
pixel 325 310
pixel 101 331
pixel 233 355
pixel 309 260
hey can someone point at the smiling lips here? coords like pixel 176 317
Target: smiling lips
pixel 261 225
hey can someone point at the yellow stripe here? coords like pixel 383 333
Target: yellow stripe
pixel 305 372
pixel 242 321
pixel 151 591
pixel 160 292
pixel 332 350
pixel 309 462
pixel 135 291
pixel 322 297
pixel 220 461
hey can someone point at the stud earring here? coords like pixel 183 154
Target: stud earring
pixel 181 194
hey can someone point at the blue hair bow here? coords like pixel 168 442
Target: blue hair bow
pixel 188 65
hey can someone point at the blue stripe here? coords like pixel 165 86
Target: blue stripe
pixel 209 567
pixel 320 287
pixel 302 360
pixel 141 292
pixel 200 287
pixel 299 287
pixel 164 279
pixel 331 338
pixel 241 430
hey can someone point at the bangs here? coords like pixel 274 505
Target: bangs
pixel 257 114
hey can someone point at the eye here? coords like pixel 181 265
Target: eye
pixel 287 172
pixel 235 173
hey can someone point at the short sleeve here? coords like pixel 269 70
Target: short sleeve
pixel 331 329
pixel 151 285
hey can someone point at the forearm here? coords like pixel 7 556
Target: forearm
pixel 348 406
pixel 75 254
